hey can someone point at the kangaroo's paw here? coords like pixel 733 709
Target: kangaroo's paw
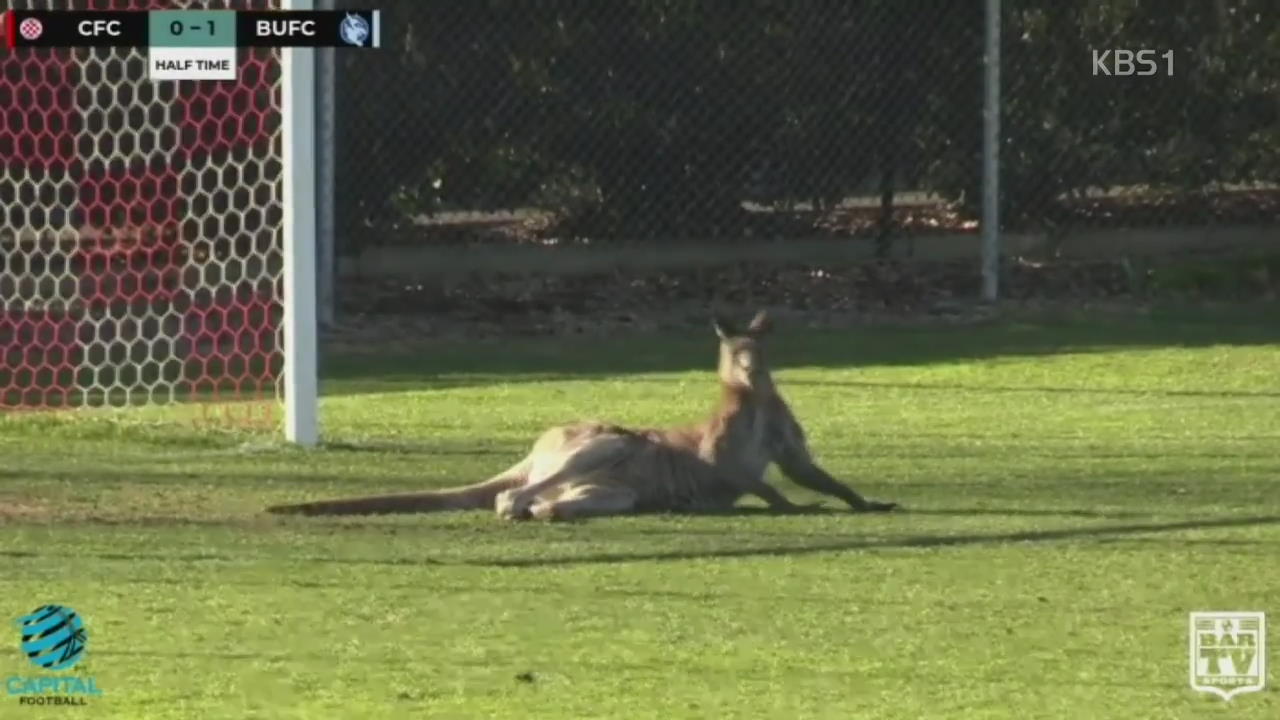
pixel 510 505
pixel 546 510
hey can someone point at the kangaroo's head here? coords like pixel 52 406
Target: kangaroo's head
pixel 742 361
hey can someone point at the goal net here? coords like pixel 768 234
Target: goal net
pixel 141 230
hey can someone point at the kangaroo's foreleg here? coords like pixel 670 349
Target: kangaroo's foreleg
pixel 776 500
pixel 791 453
pixel 802 470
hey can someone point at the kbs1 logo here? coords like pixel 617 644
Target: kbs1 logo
pixel 1126 63
pixel 1228 652
pixel 52 637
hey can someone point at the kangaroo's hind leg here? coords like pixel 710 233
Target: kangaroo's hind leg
pixel 577 463
pixel 582 501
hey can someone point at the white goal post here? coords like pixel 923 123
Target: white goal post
pixel 298 105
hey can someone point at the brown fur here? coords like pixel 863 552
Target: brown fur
pixel 592 468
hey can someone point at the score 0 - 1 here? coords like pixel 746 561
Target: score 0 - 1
pixel 177 27
pixel 192 45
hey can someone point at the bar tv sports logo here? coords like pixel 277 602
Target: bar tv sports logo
pixel 52 638
pixel 1228 652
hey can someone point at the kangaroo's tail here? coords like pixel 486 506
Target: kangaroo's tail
pixel 479 496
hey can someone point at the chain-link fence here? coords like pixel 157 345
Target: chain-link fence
pixel 143 221
pixel 687 120
pixel 664 120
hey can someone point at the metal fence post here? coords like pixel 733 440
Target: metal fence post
pixel 326 147
pixel 991 155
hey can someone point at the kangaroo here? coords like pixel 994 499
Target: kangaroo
pixel 597 469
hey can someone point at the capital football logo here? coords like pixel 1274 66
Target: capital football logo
pixel 1228 652
pixel 53 637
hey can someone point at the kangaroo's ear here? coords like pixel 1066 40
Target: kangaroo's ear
pixel 724 328
pixel 761 324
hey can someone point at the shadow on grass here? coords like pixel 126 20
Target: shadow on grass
pixel 918 541
pixel 1027 512
pixel 760 511
pixel 460 364
pixel 1037 389
pixel 1101 533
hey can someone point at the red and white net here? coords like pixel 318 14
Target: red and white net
pixel 140 229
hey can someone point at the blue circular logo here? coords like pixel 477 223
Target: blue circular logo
pixel 53 637
pixel 354 30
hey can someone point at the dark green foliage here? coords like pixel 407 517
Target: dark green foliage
pixel 1214 120
pixel 658 118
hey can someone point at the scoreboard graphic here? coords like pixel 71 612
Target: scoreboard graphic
pixel 192 44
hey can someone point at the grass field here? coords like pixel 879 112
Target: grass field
pixel 1073 490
